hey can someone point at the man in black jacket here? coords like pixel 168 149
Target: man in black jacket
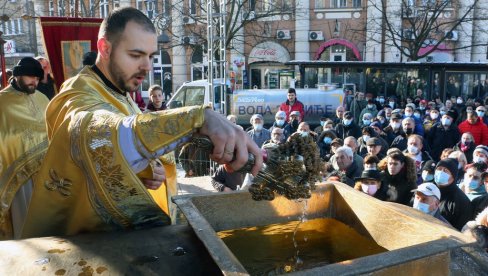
pixel 455 205
pixel 348 127
pixel 443 135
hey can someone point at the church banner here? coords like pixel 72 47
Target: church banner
pixel 66 39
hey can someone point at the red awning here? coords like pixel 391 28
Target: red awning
pixel 339 41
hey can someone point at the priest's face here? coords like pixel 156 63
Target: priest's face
pixel 27 84
pixel 131 58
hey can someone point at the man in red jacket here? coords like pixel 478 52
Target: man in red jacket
pixel 292 104
pixel 474 125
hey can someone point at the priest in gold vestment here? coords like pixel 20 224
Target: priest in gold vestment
pixel 101 171
pixel 23 142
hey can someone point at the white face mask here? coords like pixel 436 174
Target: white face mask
pixel 434 116
pixel 395 125
pixel 369 189
pixel 366 138
pixel 280 122
pixel 479 159
pixel 412 149
pixel 258 127
pixel 304 133
pixel 459 101
pixel 408 113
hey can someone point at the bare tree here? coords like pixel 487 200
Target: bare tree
pixel 412 25
pixel 257 18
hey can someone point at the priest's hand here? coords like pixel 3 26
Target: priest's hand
pixel 159 176
pixel 231 144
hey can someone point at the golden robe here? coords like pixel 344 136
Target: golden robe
pixel 23 143
pixel 85 184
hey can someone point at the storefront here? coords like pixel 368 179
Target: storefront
pixel 267 66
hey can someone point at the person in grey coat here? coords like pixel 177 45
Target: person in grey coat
pixel 258 134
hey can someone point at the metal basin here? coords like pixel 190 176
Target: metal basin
pixel 417 244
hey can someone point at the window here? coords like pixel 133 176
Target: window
pixel 51 8
pixel 192 7
pixel 91 6
pixel 320 4
pixel 252 5
pixel 338 3
pixel 167 7
pixel 103 8
pixel 140 5
pixel 356 3
pixel 13 27
pixel 20 27
pixel 61 8
pixel 72 8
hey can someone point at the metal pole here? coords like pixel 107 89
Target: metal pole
pixel 2 60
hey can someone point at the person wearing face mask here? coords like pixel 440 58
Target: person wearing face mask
pixel 427 200
pixel 399 175
pixel 443 135
pixel 292 126
pixel 258 134
pixel 455 205
pixel 394 128
pixel 304 131
pixel 480 154
pixel 409 113
pixel 370 184
pixel 481 112
pixel 481 203
pixel 428 169
pixel 320 128
pixel 280 122
pixel 400 142
pixel 472 184
pixel 348 127
pixel 462 162
pixel 368 134
pixel 324 143
pixel 381 118
pixel 366 120
pixel 477 128
pixel 371 109
pixel 415 145
pixel 466 146
pixel 433 117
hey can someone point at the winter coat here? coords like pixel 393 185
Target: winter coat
pixel 400 186
pixel 356 107
pixel 259 137
pixel 479 204
pixel 373 111
pixel 419 127
pixel 286 130
pixel 297 106
pixel 440 138
pixel 468 152
pixel 479 131
pixel 391 134
pixel 222 179
pixel 346 131
pixel 455 206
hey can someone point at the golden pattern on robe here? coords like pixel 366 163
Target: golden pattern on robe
pixel 83 123
pixel 24 144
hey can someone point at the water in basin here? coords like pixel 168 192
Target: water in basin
pixel 270 249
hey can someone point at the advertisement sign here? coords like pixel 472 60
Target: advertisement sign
pixel 9 47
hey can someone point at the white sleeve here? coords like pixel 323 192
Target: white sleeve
pixel 136 155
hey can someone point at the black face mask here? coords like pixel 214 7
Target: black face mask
pixel 408 131
pixel 294 123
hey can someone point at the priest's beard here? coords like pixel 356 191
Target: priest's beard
pixel 24 87
pixel 121 78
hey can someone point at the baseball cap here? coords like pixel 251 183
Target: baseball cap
pixel 337 141
pixel 429 189
pixel 373 142
pixel 295 113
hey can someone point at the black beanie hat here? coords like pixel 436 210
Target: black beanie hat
pixel 28 66
pixel 451 164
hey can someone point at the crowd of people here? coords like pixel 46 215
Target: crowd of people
pixel 430 155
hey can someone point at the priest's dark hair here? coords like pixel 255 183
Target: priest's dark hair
pixel 114 24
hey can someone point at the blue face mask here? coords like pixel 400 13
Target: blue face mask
pixel 304 133
pixel 347 122
pixel 441 178
pixel 366 122
pixel 280 122
pixel 427 177
pixel 327 140
pixel 473 184
pixel 423 207
pixel 322 123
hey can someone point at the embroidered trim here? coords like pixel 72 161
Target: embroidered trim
pixel 17 173
pixel 61 185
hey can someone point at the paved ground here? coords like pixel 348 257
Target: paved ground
pixel 193 185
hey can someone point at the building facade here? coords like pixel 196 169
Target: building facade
pixel 270 33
